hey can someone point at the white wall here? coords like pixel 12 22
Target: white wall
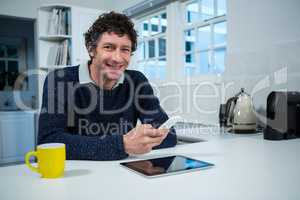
pixel 28 8
pixel 263 44
pixel 122 5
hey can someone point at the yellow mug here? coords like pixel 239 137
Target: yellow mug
pixel 51 160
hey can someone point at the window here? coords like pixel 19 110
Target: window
pixel 12 64
pixel 204 37
pixel 151 51
pixel 193 45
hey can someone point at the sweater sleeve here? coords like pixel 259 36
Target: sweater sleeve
pixel 53 129
pixel 151 112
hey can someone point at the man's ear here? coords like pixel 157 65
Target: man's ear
pixel 91 53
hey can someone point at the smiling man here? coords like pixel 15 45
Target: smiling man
pixel 93 108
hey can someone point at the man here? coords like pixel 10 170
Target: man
pixel 94 108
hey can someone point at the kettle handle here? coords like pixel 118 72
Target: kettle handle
pixel 229 109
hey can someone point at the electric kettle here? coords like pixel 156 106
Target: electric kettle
pixel 239 113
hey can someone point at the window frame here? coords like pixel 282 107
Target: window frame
pixel 145 39
pixel 175 45
pixel 211 22
pixel 21 58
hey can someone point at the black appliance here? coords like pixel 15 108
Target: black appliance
pixel 283 116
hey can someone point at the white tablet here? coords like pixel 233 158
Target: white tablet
pixel 166 166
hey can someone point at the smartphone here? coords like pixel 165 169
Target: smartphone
pixel 170 122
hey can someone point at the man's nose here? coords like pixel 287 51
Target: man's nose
pixel 117 57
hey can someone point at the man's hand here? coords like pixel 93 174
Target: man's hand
pixel 143 138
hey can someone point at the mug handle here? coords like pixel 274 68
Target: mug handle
pixel 27 158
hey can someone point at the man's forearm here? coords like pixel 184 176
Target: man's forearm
pixel 89 148
pixel 79 147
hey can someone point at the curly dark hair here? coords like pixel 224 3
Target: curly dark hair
pixel 110 22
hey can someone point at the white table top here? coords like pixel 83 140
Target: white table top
pixel 247 167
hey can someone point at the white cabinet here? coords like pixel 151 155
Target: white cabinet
pixel 66 38
pixel 84 18
pixel 17 135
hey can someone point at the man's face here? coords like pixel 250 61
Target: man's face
pixel 112 55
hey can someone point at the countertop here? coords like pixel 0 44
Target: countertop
pixel 246 167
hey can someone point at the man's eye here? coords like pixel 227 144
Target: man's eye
pixel 108 47
pixel 126 50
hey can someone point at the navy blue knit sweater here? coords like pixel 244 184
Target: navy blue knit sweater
pixel 91 121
